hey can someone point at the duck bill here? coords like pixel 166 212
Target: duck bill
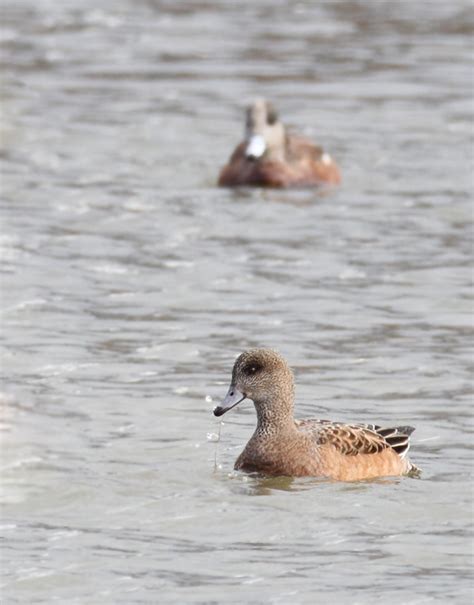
pixel 256 147
pixel 233 397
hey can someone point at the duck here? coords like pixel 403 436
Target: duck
pixel 270 157
pixel 283 445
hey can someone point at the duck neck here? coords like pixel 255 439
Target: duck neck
pixel 273 419
pixel 276 142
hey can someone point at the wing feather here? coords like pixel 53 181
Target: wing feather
pixel 354 439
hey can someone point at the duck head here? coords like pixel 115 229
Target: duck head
pixel 264 134
pixel 263 376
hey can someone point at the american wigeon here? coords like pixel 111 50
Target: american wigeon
pixel 282 445
pixel 269 157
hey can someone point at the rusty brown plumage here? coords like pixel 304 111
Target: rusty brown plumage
pixel 282 445
pixel 277 159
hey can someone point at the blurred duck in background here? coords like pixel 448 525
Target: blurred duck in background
pixel 270 157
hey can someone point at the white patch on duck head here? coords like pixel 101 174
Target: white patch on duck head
pixel 256 147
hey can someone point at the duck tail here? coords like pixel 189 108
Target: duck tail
pixel 398 437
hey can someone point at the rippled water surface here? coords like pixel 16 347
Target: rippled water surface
pixel 130 283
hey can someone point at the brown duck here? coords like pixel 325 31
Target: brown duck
pixel 270 157
pixel 282 445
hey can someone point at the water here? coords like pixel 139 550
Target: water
pixel 130 283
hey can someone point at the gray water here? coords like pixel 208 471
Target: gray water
pixel 130 283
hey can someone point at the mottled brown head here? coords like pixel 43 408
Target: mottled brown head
pixel 263 376
pixel 264 134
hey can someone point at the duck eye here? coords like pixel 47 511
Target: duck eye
pixel 252 368
pixel 272 115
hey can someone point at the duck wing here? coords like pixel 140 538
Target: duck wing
pixel 298 147
pixel 354 439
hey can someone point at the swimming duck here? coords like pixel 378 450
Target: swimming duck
pixel 282 445
pixel 269 157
